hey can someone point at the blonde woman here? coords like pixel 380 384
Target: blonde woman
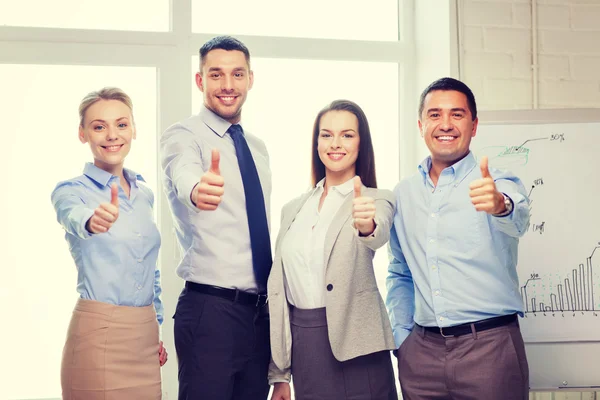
pixel 112 349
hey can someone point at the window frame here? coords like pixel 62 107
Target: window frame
pixel 170 53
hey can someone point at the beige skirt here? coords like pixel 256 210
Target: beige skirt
pixel 111 353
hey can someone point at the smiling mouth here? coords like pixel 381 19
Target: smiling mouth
pixel 113 148
pixel 227 99
pixel 446 138
pixel 336 156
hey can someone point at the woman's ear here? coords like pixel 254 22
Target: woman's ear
pixel 82 137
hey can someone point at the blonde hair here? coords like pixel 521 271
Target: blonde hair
pixel 107 93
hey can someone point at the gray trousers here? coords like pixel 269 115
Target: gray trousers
pixel 317 375
pixel 486 365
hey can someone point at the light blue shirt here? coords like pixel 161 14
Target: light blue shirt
pixel 451 264
pixel 215 244
pixel 119 266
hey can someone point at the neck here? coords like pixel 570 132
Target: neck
pixel 335 178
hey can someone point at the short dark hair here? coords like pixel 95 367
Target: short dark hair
pixel 228 43
pixel 446 84
pixel 365 163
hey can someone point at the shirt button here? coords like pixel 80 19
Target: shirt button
pixel 329 287
pixel 441 318
pixel 139 287
pixel 433 215
pixel 437 292
pixel 431 240
pixel 140 260
pixel 139 235
pixel 433 267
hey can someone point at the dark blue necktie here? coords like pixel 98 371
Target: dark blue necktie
pixel 255 208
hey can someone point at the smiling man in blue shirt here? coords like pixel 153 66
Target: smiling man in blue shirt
pixel 453 295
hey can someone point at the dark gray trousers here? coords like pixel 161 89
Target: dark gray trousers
pixel 317 375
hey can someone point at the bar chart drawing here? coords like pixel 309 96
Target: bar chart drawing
pixel 556 282
pixel 574 293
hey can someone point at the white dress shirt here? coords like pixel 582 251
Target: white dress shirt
pixel 302 249
pixel 215 244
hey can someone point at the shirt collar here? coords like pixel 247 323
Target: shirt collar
pixel 217 124
pixel 343 188
pixel 459 169
pixel 103 178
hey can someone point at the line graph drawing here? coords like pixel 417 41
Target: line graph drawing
pixel 507 156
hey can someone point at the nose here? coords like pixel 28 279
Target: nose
pixel 111 133
pixel 336 142
pixel 227 83
pixel 446 124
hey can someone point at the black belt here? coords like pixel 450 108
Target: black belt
pixel 237 296
pixel 479 326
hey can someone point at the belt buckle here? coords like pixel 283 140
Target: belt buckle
pixel 442 333
pixel 261 296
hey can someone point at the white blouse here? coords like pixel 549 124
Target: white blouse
pixel 302 249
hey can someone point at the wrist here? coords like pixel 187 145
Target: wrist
pixel 87 226
pixel 501 208
pixel 367 230
pixel 506 207
pixel 193 195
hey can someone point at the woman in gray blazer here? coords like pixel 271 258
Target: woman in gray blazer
pixel 327 315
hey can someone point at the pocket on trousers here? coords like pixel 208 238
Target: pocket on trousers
pixel 517 345
pixel 188 314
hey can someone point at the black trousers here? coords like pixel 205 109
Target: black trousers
pixel 223 348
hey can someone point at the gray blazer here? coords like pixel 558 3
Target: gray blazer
pixel 357 319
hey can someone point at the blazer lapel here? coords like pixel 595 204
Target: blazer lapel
pixel 290 217
pixel 341 217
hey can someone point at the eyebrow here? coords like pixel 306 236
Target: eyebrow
pixel 452 109
pixel 345 130
pixel 218 69
pixel 101 120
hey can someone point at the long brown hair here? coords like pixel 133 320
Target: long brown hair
pixel 365 163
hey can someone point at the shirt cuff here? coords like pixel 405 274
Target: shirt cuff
pixel 278 380
pixel 83 215
pixel 400 336
pixel 184 190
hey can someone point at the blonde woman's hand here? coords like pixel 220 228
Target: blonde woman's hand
pixel 162 354
pixel 106 214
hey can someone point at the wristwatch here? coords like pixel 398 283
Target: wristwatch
pixel 508 203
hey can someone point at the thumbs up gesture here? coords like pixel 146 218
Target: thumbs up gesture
pixel 363 210
pixel 106 214
pixel 206 195
pixel 483 192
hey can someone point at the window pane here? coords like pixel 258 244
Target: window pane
pixel 331 19
pixel 130 15
pixel 282 105
pixel 37 288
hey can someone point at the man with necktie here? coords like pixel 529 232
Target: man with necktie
pixel 218 182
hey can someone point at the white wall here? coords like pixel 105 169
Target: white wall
pixel 496 52
pixel 495 44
